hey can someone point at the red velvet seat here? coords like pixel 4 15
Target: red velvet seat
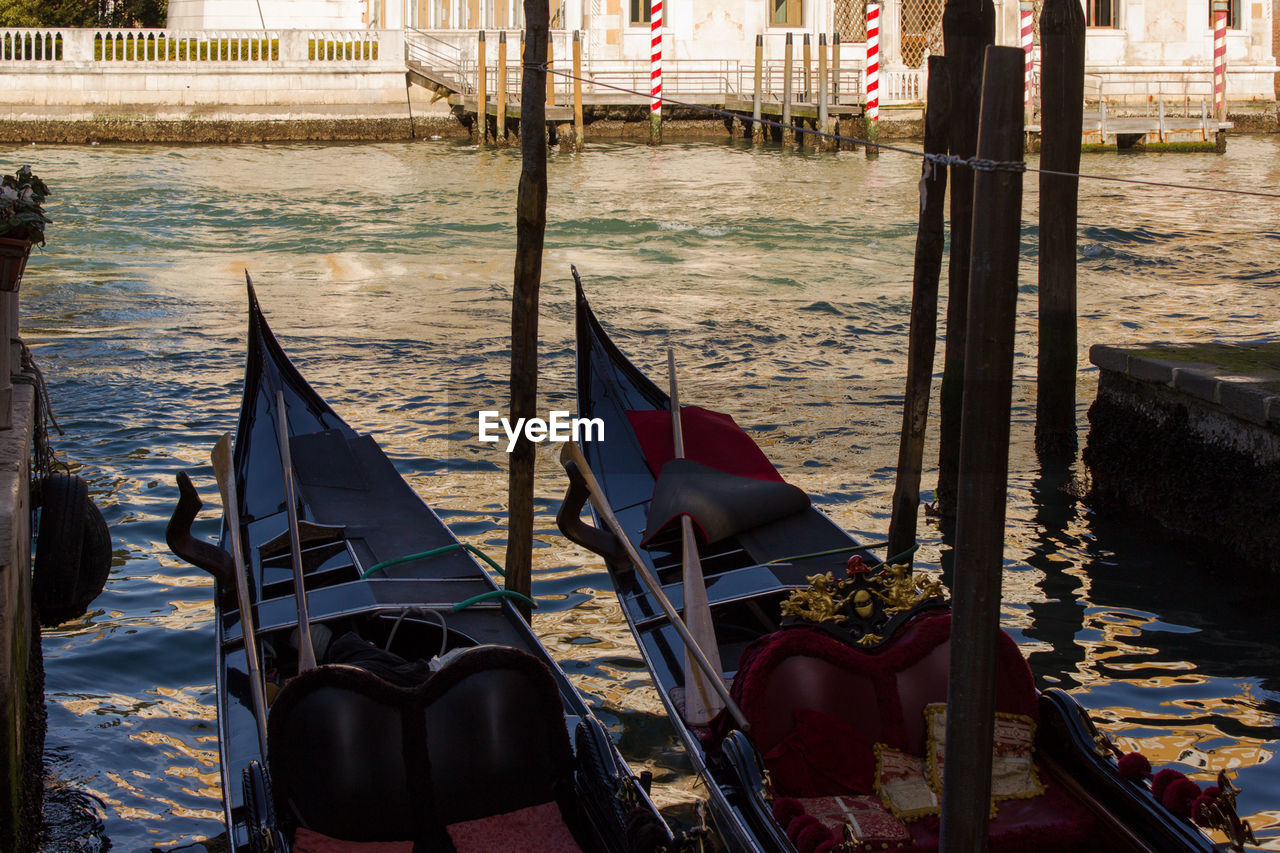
pixel 801 688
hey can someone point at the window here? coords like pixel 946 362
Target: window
pixel 641 12
pixel 1233 14
pixel 1101 13
pixel 786 13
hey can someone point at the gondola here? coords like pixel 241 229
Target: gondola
pixel 433 720
pixel 837 662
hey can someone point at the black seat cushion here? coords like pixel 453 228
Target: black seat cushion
pixel 355 757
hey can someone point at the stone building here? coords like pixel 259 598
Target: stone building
pixel 1136 50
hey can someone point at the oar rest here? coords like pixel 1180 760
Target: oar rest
pixel 356 758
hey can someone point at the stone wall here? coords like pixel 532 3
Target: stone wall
pixel 22 718
pixel 1193 444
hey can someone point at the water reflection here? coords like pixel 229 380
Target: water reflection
pixel 784 283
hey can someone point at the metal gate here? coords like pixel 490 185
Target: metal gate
pixel 921 29
pixel 851 20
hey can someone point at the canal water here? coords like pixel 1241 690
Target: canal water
pixel 781 278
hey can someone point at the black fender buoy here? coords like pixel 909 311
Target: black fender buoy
pixel 73 550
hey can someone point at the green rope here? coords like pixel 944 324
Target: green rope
pixel 495 593
pixel 411 557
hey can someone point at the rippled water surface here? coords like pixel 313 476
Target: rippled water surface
pixel 783 280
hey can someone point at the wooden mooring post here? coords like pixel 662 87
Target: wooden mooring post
pixel 531 226
pixel 500 128
pixel 984 458
pixel 924 313
pixel 579 132
pixel 788 132
pixel 835 69
pixel 482 96
pixel 824 142
pixel 1062 34
pixel 551 78
pixel 806 57
pixel 967 29
pixel 757 128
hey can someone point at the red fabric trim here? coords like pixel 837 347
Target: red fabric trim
pixel 537 829
pixel 306 841
pixel 712 438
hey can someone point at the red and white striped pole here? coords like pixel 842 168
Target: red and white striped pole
pixel 1220 10
pixel 1025 11
pixel 655 73
pixel 873 62
pixel 871 112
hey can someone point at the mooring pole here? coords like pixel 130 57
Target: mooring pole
pixel 579 133
pixel 968 26
pixel 924 313
pixel 482 96
pixel 531 225
pixel 806 54
pixel 835 68
pixel 757 129
pixel 825 142
pixel 871 110
pixel 501 126
pixel 984 458
pixel 1221 8
pixel 655 72
pixel 551 80
pixel 1062 28
pixel 788 132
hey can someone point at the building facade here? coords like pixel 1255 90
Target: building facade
pixel 1136 50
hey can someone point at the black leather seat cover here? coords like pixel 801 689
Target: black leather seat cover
pixel 357 758
pixel 720 504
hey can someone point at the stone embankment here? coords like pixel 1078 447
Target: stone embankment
pixel 1189 436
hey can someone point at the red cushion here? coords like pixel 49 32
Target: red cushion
pixel 821 756
pixel 711 438
pixel 306 841
pixel 537 829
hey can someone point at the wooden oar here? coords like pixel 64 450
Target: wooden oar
pixel 573 453
pixel 700 703
pixel 222 470
pixel 306 651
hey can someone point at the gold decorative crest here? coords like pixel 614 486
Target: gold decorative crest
pixel 863 601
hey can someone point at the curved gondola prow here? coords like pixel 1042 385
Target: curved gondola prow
pixel 268 370
pixel 592 338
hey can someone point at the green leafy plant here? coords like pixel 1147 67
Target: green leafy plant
pixel 22 206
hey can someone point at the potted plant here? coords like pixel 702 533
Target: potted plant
pixel 22 223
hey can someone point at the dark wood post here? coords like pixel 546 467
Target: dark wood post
pixel 531 225
pixel 984 458
pixel 924 313
pixel 968 26
pixel 1061 122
